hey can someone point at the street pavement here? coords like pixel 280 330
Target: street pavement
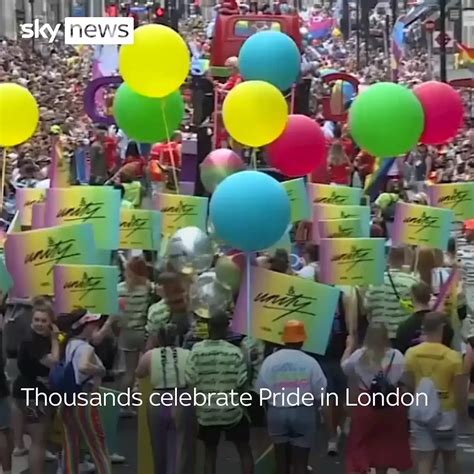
pixel 228 461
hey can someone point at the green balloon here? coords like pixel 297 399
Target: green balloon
pixel 147 119
pixel 386 120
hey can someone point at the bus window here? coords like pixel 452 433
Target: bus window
pixel 244 29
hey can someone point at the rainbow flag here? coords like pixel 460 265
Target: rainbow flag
pixel 373 183
pixel 465 57
pixel 321 28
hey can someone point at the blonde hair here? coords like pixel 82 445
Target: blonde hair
pixel 337 155
pixel 233 61
pixel 376 343
pixel 425 264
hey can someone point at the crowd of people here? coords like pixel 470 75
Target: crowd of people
pixel 384 338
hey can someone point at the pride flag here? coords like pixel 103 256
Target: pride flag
pixel 397 42
pixel 465 56
pixel 321 28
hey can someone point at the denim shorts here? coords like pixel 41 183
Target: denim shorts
pixel 293 425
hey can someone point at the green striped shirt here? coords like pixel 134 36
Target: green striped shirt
pixel 219 367
pixel 158 315
pixel 135 306
pixel 384 306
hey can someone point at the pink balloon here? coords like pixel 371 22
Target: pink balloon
pixel 300 149
pixel 444 112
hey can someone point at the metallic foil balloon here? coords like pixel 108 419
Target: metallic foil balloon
pixel 208 296
pixel 218 165
pixel 190 251
pixel 229 273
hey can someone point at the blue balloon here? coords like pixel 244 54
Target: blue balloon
pixel 348 90
pixel 250 211
pixel 272 57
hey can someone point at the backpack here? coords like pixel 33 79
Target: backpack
pixel 62 378
pixel 381 385
pixel 428 414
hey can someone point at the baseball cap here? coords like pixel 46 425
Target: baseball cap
pixel 294 332
pixel 86 319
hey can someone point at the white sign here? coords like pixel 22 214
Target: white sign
pixel 449 44
pixel 468 18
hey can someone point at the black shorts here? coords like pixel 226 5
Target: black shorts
pixel 238 433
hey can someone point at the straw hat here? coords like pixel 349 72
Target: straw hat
pixel 294 332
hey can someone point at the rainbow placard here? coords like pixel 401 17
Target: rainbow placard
pixel 30 256
pixel 324 212
pixel 97 205
pixel 334 194
pixel 6 281
pixel 422 225
pixel 352 261
pixel 458 197
pixel 276 298
pixel 91 287
pixel 25 199
pixel 340 229
pixel 38 216
pixel 299 199
pixel 140 229
pixel 178 211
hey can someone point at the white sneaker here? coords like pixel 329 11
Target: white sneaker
pixel 87 466
pixel 116 458
pixel 18 452
pixel 49 456
pixel 332 447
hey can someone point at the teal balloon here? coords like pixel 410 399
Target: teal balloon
pixel 147 119
pixel 270 56
pixel 386 120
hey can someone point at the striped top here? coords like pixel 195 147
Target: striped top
pixel 168 365
pixel 158 315
pixel 465 255
pixel 134 306
pixel 382 302
pixel 217 366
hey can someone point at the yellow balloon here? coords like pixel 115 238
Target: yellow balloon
pixel 255 113
pixel 19 114
pixel 157 63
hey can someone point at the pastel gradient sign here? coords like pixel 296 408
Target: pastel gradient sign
pixel 334 194
pixel 30 256
pixel 299 200
pixel 422 225
pixel 324 212
pixel 352 261
pixel 340 228
pixel 276 298
pixel 178 211
pixel 96 205
pixel 25 199
pixel 38 216
pixel 457 197
pixel 86 286
pixel 140 229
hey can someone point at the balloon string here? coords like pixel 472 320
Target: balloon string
pixel 168 143
pixel 249 297
pixel 254 158
pixel 4 170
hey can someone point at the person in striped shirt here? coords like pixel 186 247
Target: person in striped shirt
pixel 134 295
pixel 465 256
pixel 385 303
pixel 217 366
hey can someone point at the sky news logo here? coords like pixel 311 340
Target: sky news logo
pixel 87 30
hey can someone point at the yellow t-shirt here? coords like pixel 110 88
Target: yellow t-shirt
pixel 441 364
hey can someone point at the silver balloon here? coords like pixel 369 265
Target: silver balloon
pixel 208 296
pixel 190 251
